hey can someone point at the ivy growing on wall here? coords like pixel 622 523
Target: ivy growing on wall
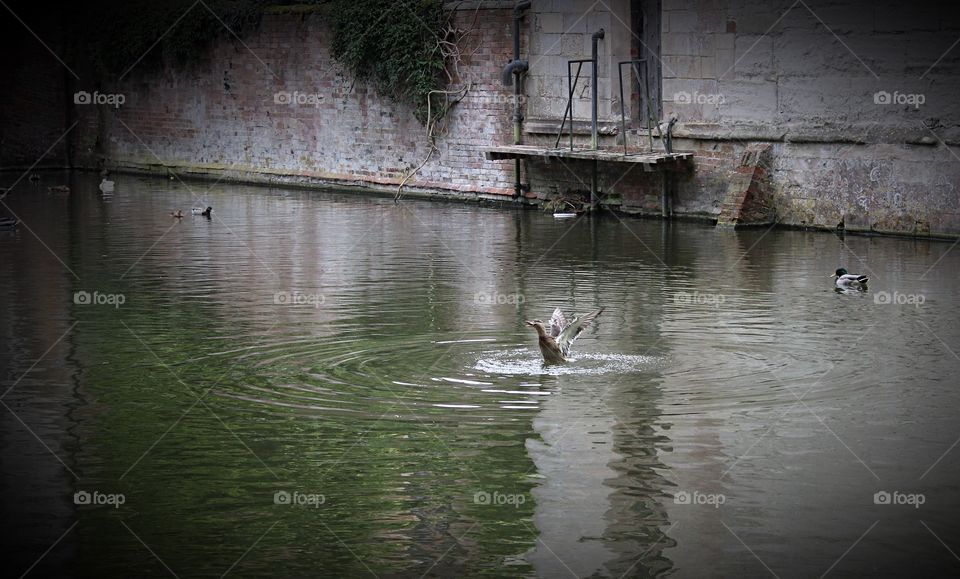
pixel 395 45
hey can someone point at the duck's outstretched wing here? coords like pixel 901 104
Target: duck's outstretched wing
pixel 557 323
pixel 573 329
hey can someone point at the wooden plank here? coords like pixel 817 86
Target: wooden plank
pixel 527 151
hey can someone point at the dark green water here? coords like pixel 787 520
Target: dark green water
pixel 371 362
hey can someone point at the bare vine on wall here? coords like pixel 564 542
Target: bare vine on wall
pixel 451 44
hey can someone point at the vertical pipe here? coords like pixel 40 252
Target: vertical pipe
pixel 623 116
pixel 593 89
pixel 516 85
pixel 518 71
pixel 570 84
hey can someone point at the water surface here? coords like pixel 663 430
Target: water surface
pixel 328 384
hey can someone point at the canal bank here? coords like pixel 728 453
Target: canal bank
pixel 832 115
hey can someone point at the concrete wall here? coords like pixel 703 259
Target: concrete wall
pixel 561 31
pixel 859 99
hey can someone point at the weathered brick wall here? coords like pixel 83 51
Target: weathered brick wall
pixel 221 116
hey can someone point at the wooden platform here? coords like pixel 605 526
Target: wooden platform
pixel 651 161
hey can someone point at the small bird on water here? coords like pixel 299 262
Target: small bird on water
pixel 849 280
pixel 555 343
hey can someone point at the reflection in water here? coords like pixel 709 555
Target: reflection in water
pixel 370 361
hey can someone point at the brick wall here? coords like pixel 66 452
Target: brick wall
pixel 221 116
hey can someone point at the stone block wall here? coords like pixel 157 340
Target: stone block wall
pixel 558 31
pixel 857 98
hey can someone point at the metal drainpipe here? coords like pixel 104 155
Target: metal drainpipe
pixel 595 180
pixel 517 69
pixel 597 36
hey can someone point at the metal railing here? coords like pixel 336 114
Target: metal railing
pixel 638 65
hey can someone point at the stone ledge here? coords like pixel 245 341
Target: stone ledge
pixel 552 127
pixel 309 180
pixel 851 134
pixel 480 5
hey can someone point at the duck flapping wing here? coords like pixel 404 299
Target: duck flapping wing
pixel 557 323
pixel 572 330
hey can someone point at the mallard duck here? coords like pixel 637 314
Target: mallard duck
pixel 845 280
pixel 202 211
pixel 555 343
pixel 177 214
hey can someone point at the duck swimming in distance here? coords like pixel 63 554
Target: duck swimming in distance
pixel 555 343
pixel 178 214
pixel 202 211
pixel 849 280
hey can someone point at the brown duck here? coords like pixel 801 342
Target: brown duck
pixel 555 343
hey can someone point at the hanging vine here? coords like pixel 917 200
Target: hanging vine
pixel 450 44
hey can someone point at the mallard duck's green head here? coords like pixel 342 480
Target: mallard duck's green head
pixel 840 272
